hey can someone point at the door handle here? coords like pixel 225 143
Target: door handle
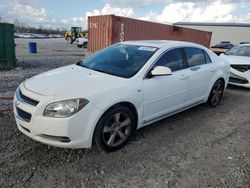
pixel 212 69
pixel 183 76
pixel 194 68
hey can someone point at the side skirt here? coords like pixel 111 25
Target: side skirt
pixel 147 122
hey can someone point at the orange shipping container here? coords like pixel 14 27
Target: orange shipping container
pixel 110 29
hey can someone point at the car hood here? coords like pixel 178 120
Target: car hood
pixel 236 60
pixel 71 78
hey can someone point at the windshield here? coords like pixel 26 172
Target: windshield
pixel 239 51
pixel 120 59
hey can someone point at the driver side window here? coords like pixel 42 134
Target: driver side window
pixel 172 59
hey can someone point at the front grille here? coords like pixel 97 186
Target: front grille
pixel 241 68
pixel 238 80
pixel 23 115
pixel 21 97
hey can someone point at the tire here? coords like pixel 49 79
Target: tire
pixel 216 93
pixel 69 40
pixel 85 45
pixel 114 129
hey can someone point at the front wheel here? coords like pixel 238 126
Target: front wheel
pixel 216 93
pixel 114 129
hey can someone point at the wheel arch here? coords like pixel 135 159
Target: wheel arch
pixel 223 80
pixel 220 75
pixel 212 84
pixel 214 98
pixel 127 104
pixel 85 44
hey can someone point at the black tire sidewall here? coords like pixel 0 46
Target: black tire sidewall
pixel 211 94
pixel 85 45
pixel 98 139
pixel 69 40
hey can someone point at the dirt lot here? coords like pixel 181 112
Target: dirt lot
pixel 201 147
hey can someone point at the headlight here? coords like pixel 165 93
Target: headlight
pixel 63 109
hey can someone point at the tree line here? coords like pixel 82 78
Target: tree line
pixel 21 27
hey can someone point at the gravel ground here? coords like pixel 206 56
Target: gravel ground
pixel 201 147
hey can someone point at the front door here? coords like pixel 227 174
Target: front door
pixel 166 94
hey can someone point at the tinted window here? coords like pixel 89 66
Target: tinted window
pixel 120 59
pixel 239 51
pixel 195 57
pixel 208 60
pixel 172 59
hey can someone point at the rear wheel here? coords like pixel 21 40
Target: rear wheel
pixel 85 45
pixel 216 93
pixel 114 129
pixel 69 40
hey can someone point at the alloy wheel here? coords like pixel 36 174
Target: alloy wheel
pixel 116 129
pixel 216 93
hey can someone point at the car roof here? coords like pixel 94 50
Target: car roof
pixel 247 44
pixel 159 43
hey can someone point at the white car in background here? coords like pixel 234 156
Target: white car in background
pixel 124 87
pixel 82 42
pixel 239 59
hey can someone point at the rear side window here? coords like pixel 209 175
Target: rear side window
pixel 195 57
pixel 208 60
pixel 172 59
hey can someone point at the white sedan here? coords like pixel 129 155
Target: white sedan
pixel 121 88
pixel 239 59
pixel 82 42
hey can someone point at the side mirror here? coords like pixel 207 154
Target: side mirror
pixel 161 71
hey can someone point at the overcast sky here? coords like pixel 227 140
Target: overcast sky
pixel 65 13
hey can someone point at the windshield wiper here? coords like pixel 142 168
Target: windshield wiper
pixel 80 63
pixel 99 70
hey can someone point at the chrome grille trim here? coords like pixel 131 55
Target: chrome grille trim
pixel 24 99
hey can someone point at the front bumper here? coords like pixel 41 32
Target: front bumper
pixel 239 78
pixel 73 132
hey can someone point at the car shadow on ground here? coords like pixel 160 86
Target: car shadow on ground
pixel 239 88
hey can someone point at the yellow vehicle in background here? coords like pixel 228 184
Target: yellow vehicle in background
pixel 73 34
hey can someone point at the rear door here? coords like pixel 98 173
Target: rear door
pixel 201 72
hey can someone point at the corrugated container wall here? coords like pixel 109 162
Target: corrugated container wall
pixel 110 29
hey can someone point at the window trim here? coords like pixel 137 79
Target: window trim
pixel 204 52
pixel 162 54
